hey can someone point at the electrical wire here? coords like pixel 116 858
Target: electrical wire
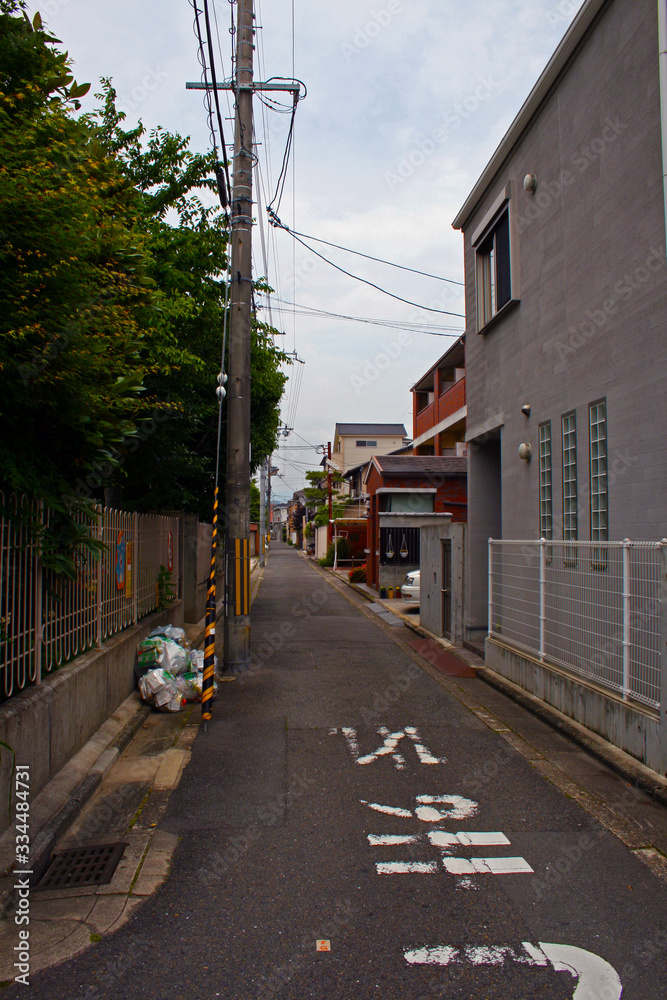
pixel 364 281
pixel 223 147
pixel 368 256
pixel 395 324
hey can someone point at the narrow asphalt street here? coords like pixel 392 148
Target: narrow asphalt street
pixel 350 830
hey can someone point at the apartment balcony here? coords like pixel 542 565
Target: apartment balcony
pixel 449 402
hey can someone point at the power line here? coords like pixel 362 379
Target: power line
pixel 425 328
pixel 409 302
pixel 368 256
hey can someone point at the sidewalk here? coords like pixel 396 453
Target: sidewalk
pixel 116 789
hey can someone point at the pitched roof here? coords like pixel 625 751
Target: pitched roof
pixel 421 465
pixel 374 430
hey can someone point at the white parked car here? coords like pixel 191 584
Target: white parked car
pixel 410 588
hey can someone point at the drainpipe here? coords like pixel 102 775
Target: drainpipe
pixel 662 40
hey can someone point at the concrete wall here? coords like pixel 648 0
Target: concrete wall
pixel 431 566
pixel 634 730
pixel 47 725
pixel 589 268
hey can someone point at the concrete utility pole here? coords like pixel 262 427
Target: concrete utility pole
pixel 329 534
pixel 237 536
pixel 262 513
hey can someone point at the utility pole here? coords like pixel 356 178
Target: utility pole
pixel 329 532
pixel 262 514
pixel 236 655
pixel 237 536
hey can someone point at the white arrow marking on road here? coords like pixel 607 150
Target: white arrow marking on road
pixel 388 747
pixel 595 977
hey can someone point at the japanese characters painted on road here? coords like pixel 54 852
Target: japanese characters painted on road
pixel 441 809
pixel 595 978
pixel 388 748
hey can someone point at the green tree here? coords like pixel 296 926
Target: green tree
pixel 112 300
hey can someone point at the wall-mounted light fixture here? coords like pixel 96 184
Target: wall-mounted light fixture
pixel 530 183
pixel 525 409
pixel 525 452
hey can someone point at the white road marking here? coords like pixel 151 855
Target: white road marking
pixel 595 977
pixel 389 810
pixel 389 839
pixel 407 868
pixel 487 866
pixel 458 808
pixel 447 841
pixel 389 747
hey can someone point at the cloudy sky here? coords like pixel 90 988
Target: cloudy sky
pixel 407 100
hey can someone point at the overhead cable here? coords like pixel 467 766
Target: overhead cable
pixel 371 284
pixel 368 256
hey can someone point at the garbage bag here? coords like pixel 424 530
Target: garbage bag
pixel 158 688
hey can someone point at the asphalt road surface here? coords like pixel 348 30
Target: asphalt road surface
pixel 342 838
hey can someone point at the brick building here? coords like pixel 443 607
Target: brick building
pixel 406 492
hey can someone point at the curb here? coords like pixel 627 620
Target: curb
pixel 612 757
pixel 49 835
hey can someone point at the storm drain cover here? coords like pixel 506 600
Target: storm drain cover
pixel 81 866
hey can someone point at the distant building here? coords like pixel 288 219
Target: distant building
pixel 355 444
pixel 439 406
pixel 405 493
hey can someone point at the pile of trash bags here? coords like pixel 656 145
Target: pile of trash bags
pixel 168 672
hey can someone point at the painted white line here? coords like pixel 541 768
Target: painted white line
pixel 487 866
pixel 595 977
pixel 447 841
pixel 407 868
pixel 390 839
pixel 388 810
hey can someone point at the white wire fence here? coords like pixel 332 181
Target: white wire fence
pixel 596 609
pixel 46 619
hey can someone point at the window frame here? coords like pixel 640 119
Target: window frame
pixel 598 557
pixel 503 206
pixel 545 473
pixel 570 475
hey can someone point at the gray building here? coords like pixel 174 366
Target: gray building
pixel 566 300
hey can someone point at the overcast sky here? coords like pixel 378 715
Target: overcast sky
pixel 407 100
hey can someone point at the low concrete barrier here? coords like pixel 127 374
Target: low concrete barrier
pixel 47 725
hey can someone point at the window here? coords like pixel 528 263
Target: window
pixel 366 444
pixel 494 283
pixel 570 527
pixel 597 417
pixel 546 505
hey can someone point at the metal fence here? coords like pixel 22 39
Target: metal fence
pixel 593 608
pixel 46 619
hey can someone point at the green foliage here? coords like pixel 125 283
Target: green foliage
pixel 112 303
pixel 165 589
pixel 254 502
pixel 344 551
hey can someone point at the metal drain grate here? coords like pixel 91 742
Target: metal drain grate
pixel 82 866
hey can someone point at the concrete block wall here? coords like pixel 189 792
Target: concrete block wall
pixel 47 725
pixel 637 731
